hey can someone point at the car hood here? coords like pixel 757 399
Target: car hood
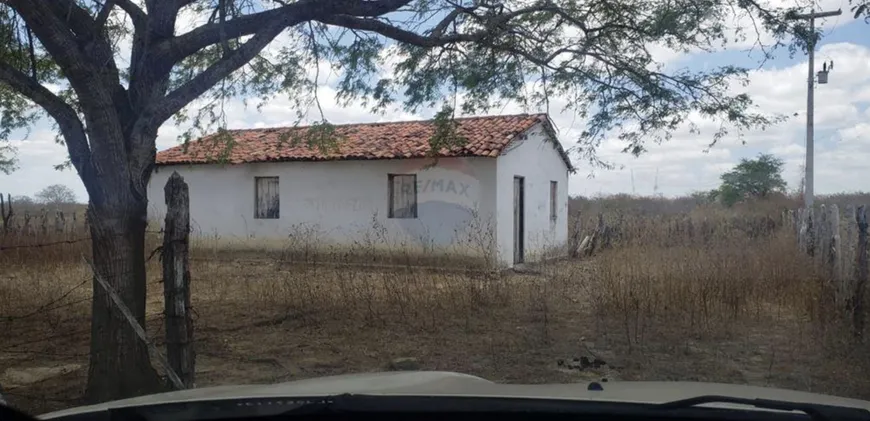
pixel 437 383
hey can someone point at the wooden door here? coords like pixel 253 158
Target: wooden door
pixel 519 219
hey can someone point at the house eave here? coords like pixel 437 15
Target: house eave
pixel 174 164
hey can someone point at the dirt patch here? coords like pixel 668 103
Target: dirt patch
pixel 22 376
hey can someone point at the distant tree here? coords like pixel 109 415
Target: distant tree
pixel 752 178
pixel 23 200
pixel 56 194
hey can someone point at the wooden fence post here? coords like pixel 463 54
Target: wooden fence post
pixel 604 232
pixel 823 237
pixel 43 221
pixel 810 233
pixel 847 251
pixel 858 319
pixel 576 234
pixel 801 228
pixel 176 280
pixel 833 250
pixel 26 228
pixel 6 211
pixel 59 221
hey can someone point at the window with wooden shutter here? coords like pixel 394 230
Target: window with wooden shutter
pixel 267 203
pixel 403 196
pixel 554 190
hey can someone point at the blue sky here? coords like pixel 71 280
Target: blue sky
pixel 842 127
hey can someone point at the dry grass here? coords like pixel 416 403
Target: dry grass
pixel 725 300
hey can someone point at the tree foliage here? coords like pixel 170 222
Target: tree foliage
pixel 596 57
pixel 752 179
pixel 109 73
pixel 55 194
pixel 861 9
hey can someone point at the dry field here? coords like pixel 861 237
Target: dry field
pixel 723 303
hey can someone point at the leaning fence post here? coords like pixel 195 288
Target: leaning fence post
pixel 860 273
pixel 576 234
pixel 176 280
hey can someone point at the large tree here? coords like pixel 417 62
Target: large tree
pixel 56 194
pixel 109 73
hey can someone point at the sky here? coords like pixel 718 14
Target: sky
pixel 677 167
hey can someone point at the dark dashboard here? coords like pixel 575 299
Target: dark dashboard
pixel 422 408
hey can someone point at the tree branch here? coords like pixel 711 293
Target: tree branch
pixel 137 15
pixel 67 120
pixel 57 38
pixel 103 15
pixel 177 48
pixel 435 39
pixel 79 20
pixel 396 33
pixel 180 97
pixel 31 51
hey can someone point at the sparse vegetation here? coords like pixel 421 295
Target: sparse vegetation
pixel 56 195
pixel 729 299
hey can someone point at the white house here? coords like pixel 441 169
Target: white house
pixel 505 188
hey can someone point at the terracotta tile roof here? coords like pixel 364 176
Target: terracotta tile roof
pixel 487 136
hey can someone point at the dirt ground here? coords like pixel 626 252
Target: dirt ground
pixel 262 322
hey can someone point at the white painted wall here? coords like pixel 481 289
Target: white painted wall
pixel 340 200
pixel 536 158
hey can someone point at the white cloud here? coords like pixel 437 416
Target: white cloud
pixel 788 151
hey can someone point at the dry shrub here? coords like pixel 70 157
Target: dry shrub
pixel 695 290
pixel 417 299
pixel 673 275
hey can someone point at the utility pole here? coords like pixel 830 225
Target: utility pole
pixel 811 47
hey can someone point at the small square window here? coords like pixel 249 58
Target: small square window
pixel 403 196
pixel 267 203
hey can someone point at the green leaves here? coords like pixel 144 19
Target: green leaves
pixel 445 136
pixel 861 8
pixel 752 178
pixel 591 59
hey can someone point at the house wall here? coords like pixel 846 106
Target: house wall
pixel 536 158
pixel 339 201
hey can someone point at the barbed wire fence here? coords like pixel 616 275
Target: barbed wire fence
pixel 43 325
pixel 21 241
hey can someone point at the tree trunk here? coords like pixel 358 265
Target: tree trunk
pixel 120 366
